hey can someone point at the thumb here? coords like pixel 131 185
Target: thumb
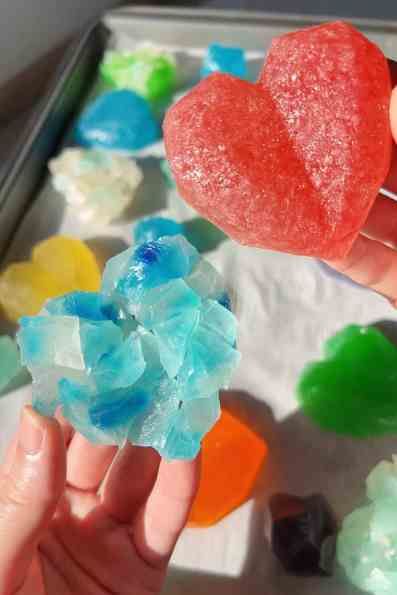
pixel 31 484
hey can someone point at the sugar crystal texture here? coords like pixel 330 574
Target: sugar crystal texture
pixel 366 545
pixel 295 161
pixel 232 456
pixel 117 121
pixel 10 363
pixel 353 390
pixel 153 228
pixel 142 360
pixel 58 265
pixel 303 534
pixel 222 58
pixel 148 71
pixel 100 183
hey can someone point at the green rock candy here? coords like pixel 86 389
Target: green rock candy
pixel 148 72
pixel 10 364
pixel 367 543
pixel 353 391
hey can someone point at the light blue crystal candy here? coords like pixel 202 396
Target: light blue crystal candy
pixel 221 58
pixel 367 543
pixel 144 359
pixel 154 228
pixel 117 120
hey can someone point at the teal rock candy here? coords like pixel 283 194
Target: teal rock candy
pixel 117 121
pixel 154 228
pixel 367 543
pixel 222 58
pixel 10 363
pixel 144 359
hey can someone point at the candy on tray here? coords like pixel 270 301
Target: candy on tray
pixel 58 265
pixel 154 228
pixel 144 359
pixel 303 534
pixel 118 121
pixel 366 545
pixel 223 58
pixel 150 72
pixel 353 390
pixel 101 183
pixel 10 361
pixel 295 161
pixel 232 456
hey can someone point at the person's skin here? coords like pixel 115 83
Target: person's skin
pixel 60 536
pixel 373 259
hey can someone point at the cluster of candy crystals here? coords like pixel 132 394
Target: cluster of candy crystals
pixel 144 359
pixel 303 534
pixel 100 183
pixel 295 161
pixel 58 265
pixel 117 121
pixel 231 458
pixel 154 228
pixel 222 58
pixel 353 391
pixel 150 72
pixel 366 545
pixel 10 362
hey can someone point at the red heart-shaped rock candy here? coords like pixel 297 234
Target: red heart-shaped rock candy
pixel 295 161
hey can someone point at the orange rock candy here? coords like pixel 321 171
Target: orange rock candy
pixel 232 455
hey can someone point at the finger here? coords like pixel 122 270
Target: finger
pixel 29 494
pixel 161 520
pixel 130 481
pixel 372 264
pixel 87 464
pixel 67 429
pixel 381 223
pixel 10 455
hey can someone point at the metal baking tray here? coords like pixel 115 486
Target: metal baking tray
pixel 283 325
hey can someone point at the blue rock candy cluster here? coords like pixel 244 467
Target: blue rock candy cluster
pixel 144 359
pixel 117 121
pixel 221 58
pixel 153 228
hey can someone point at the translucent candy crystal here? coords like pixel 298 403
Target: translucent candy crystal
pixel 101 184
pixel 153 228
pixel 117 121
pixel 222 58
pixel 147 71
pixel 367 543
pixel 144 359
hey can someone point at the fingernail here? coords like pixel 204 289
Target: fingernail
pixel 31 434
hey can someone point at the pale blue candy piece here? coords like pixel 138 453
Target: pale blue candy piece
pixel 97 339
pixel 173 337
pixel 118 408
pixel 206 281
pixel 115 269
pixel 208 365
pixel 156 263
pixel 47 341
pixel 382 481
pixel 10 362
pixel 120 367
pixel 84 304
pixel 119 121
pixel 154 228
pixel 216 319
pixel 192 422
pixel 75 400
pixel 164 302
pixel 221 58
